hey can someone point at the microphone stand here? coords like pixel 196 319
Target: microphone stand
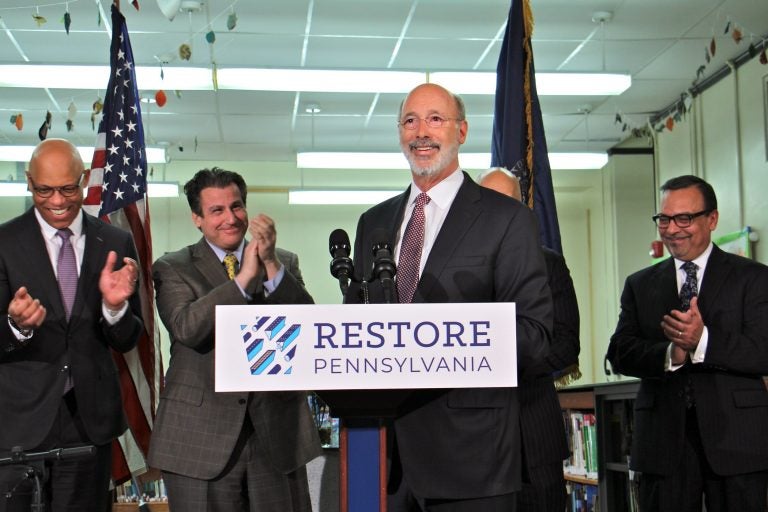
pixel 35 462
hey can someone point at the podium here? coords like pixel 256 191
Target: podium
pixel 364 415
pixel 364 361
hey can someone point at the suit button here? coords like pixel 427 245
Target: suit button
pixel 241 401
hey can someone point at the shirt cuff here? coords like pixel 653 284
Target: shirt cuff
pixel 271 285
pixel 698 355
pixel 669 366
pixel 113 316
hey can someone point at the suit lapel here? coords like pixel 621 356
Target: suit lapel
pixel 716 273
pixel 94 257
pixel 662 288
pixel 461 216
pixel 209 266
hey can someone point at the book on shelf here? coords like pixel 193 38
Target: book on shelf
pixel 581 429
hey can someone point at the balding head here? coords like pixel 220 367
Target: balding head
pixel 502 181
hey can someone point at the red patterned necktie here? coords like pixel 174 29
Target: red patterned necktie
pixel 410 251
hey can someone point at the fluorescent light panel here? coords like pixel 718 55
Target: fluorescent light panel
pixel 475 161
pixel 24 153
pixel 307 80
pixel 340 196
pixel 155 189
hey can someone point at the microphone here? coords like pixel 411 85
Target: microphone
pixel 341 264
pixel 383 265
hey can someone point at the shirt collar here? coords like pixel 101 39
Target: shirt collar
pixel 700 261
pixel 49 232
pixel 444 192
pixel 220 253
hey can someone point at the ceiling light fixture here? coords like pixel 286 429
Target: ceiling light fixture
pixel 472 161
pixel 308 80
pixel 24 153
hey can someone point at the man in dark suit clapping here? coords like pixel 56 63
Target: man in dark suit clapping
pixel 67 298
pixel 695 329
pixel 454 241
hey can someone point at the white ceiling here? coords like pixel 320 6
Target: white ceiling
pixel 661 43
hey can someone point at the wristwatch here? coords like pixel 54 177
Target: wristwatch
pixel 24 332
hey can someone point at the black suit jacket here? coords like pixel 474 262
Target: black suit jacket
pixel 731 398
pixel 465 443
pixel 544 439
pixel 31 376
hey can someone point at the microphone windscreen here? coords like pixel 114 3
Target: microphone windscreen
pixel 339 238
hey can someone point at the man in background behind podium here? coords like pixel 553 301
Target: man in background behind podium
pixel 458 449
pixel 64 309
pixel 541 420
pixel 694 328
pixel 227 451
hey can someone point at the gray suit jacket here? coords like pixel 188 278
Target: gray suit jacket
pixel 196 428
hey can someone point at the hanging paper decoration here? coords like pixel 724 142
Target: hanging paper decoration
pixel 706 55
pixel 763 57
pixel 231 21
pixel 210 37
pixel 712 47
pixel 67 21
pixel 185 52
pixel 700 71
pixel 736 35
pixel 670 123
pixel 169 8
pixel 177 92
pixel 727 27
pixel 71 112
pixel 18 121
pixel 40 20
pixel 160 98
pixel 135 4
pixel 43 131
pixel 96 110
pixel 752 51
pixel 195 143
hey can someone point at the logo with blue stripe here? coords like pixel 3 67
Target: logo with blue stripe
pixel 270 344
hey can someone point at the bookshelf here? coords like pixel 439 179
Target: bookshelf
pixel 598 421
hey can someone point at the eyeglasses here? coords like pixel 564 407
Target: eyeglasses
pixel 433 121
pixel 683 220
pixel 66 190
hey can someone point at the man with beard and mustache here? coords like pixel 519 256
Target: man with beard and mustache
pixel 454 241
pixel 694 328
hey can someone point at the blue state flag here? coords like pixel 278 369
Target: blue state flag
pixel 519 143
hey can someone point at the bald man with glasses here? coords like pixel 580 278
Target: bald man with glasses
pixel 67 298
pixel 694 328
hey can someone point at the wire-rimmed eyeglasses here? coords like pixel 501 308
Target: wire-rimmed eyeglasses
pixel 433 121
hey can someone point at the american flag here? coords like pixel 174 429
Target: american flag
pixel 117 193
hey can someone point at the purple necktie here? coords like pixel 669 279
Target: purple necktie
pixel 66 270
pixel 410 251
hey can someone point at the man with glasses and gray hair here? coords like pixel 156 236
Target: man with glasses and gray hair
pixel 694 328
pixel 454 241
pixel 68 298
